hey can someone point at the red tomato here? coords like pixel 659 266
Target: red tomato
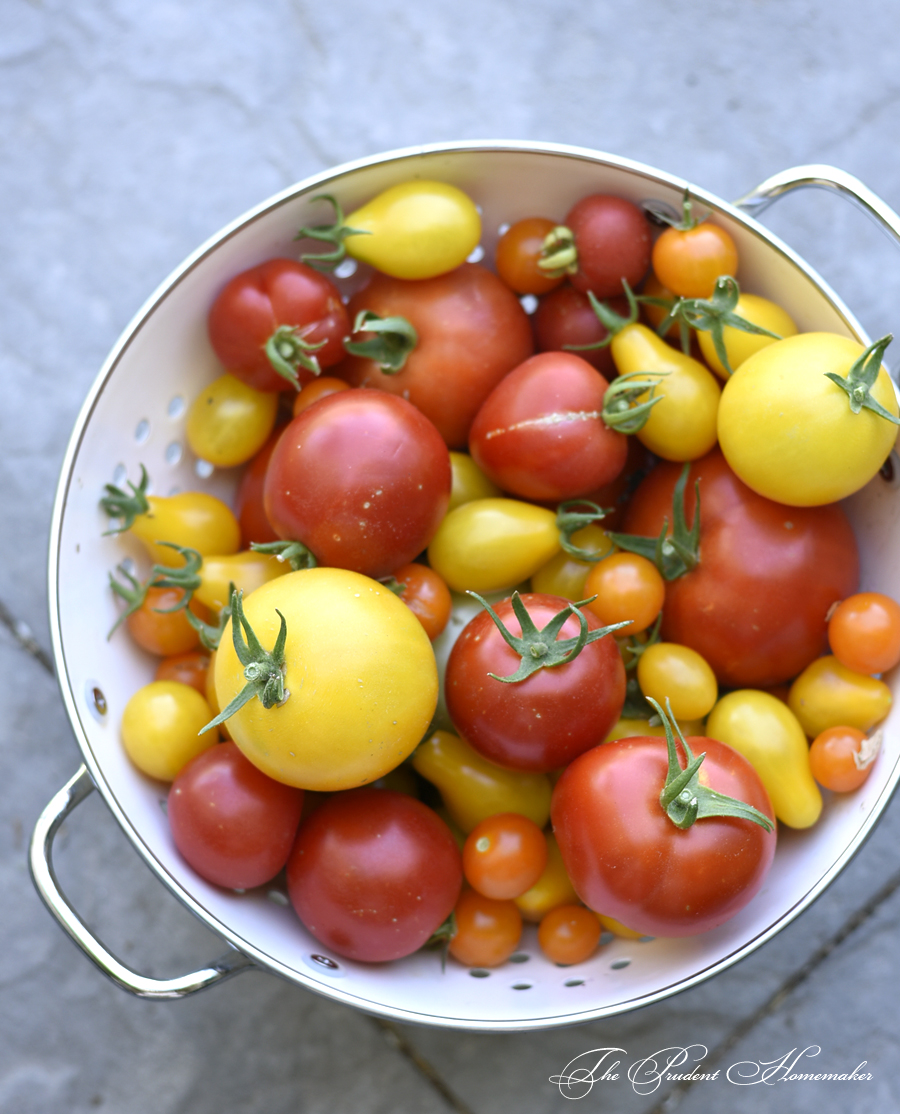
pixel 426 595
pixel 487 931
pixel 613 240
pixel 545 721
pixel 472 331
pixel 627 859
pixel 248 500
pixel 373 874
pixel 755 607
pixel 190 668
pixel 362 478
pixel 504 855
pixel 518 252
pixel 540 435
pixel 565 318
pixel 280 292
pixel 233 824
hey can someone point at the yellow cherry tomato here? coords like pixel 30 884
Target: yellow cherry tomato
pixel 788 431
pixel 415 230
pixel 740 346
pixel 161 727
pixel 229 421
pixel 768 734
pixel 683 425
pixel 468 482
pixel 490 544
pixel 564 575
pixel 828 694
pixel 473 789
pixel 667 671
pixel 359 676
pixel 552 889
pixel 628 728
pixel 247 570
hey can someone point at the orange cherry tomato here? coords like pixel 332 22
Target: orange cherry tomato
pixel 841 758
pixel 864 632
pixel 159 630
pixel 487 931
pixel 190 668
pixel 518 252
pixel 569 934
pixel 627 586
pixel 427 596
pixel 504 855
pixel 689 261
pixel 657 314
pixel 318 388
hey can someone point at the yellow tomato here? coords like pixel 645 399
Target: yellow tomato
pixel 564 575
pixel 740 346
pixel 247 570
pixel 610 924
pixel 229 421
pixel 193 519
pixel 552 889
pixel 628 728
pixel 359 675
pixel 469 482
pixel 161 728
pixel 490 544
pixel 828 694
pixel 768 734
pixel 415 230
pixel 788 431
pixel 679 674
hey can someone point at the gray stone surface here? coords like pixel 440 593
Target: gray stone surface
pixel 131 132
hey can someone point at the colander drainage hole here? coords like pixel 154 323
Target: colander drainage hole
pixel 345 268
pixel 176 407
pixel 890 470
pixel 278 897
pixel 521 986
pixel 142 431
pixel 173 452
pixel 479 973
pixel 119 474
pixel 519 957
pixel 204 469
pixel 574 982
pixel 326 962
pixel 529 303
pixel 607 937
pixel 503 229
pixel 618 964
pixel 96 701
pixel 476 254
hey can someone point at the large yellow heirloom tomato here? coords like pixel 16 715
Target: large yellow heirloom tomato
pixel 359 672
pixel 788 430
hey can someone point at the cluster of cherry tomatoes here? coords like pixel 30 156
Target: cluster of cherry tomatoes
pixel 466 625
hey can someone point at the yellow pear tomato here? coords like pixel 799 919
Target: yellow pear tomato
pixel 468 482
pixel 828 694
pixel 247 570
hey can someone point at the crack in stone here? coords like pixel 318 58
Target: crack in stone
pixel 24 636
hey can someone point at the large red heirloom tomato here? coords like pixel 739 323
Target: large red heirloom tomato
pixel 362 478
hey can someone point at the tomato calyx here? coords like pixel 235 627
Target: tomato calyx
pixel 683 798
pixel 441 937
pixel 559 255
pixel 263 669
pixel 333 233
pixel 133 592
pixel 621 409
pixel 297 555
pixel 211 633
pixel 679 553
pixel 570 521
pixel 394 339
pixel 119 504
pixel 861 378
pixel 541 649
pixel 288 349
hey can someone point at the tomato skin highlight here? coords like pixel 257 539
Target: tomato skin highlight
pixel 362 478
pixel 373 874
pixel 626 858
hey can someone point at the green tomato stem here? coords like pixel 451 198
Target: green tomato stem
pixel 394 339
pixel 861 378
pixel 334 234
pixel 119 504
pixel 676 555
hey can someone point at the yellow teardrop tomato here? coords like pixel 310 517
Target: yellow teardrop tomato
pixel 359 672
pixel 229 421
pixel 194 519
pixel 468 482
pixel 161 727
pixel 828 694
pixel 564 575
pixel 473 789
pixel 491 544
pixel 552 889
pixel 247 570
pixel 740 346
pixel 610 924
pixel 788 431
pixel 683 425
pixel 768 734
pixel 415 230
pixel 667 671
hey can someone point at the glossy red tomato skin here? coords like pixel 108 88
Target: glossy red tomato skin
pixel 472 330
pixel 362 478
pixel 257 301
pixel 565 317
pixel 628 860
pixel 613 240
pixel 755 608
pixel 540 435
pixel 248 499
pixel 373 873
pixel 232 823
pixel 542 723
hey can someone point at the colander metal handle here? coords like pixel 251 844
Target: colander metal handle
pixel 41 863
pixel 816 176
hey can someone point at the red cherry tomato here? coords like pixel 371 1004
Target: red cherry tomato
pixel 373 874
pixel 565 317
pixel 487 931
pixel 426 595
pixel 569 934
pixel 540 435
pixel 190 668
pixel 472 331
pixel 280 292
pixel 233 824
pixel 504 855
pixel 545 721
pixel 362 478
pixel 864 632
pixel 627 859
pixel 613 240
pixel 518 252
pixel 248 500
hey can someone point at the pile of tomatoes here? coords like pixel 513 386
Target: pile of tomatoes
pixel 514 616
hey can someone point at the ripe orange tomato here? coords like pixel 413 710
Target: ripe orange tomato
pixel 688 261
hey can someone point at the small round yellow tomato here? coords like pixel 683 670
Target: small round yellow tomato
pixel 564 575
pixel 468 481
pixel 229 421
pixel 667 671
pixel 628 728
pixel 740 346
pixel 552 889
pixel 247 570
pixel 161 728
pixel 788 431
pixel 828 694
pixel 415 230
pixel 490 544
pixel 194 519
pixel 768 734
pixel 359 674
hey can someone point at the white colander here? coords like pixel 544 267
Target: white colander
pixel 135 414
